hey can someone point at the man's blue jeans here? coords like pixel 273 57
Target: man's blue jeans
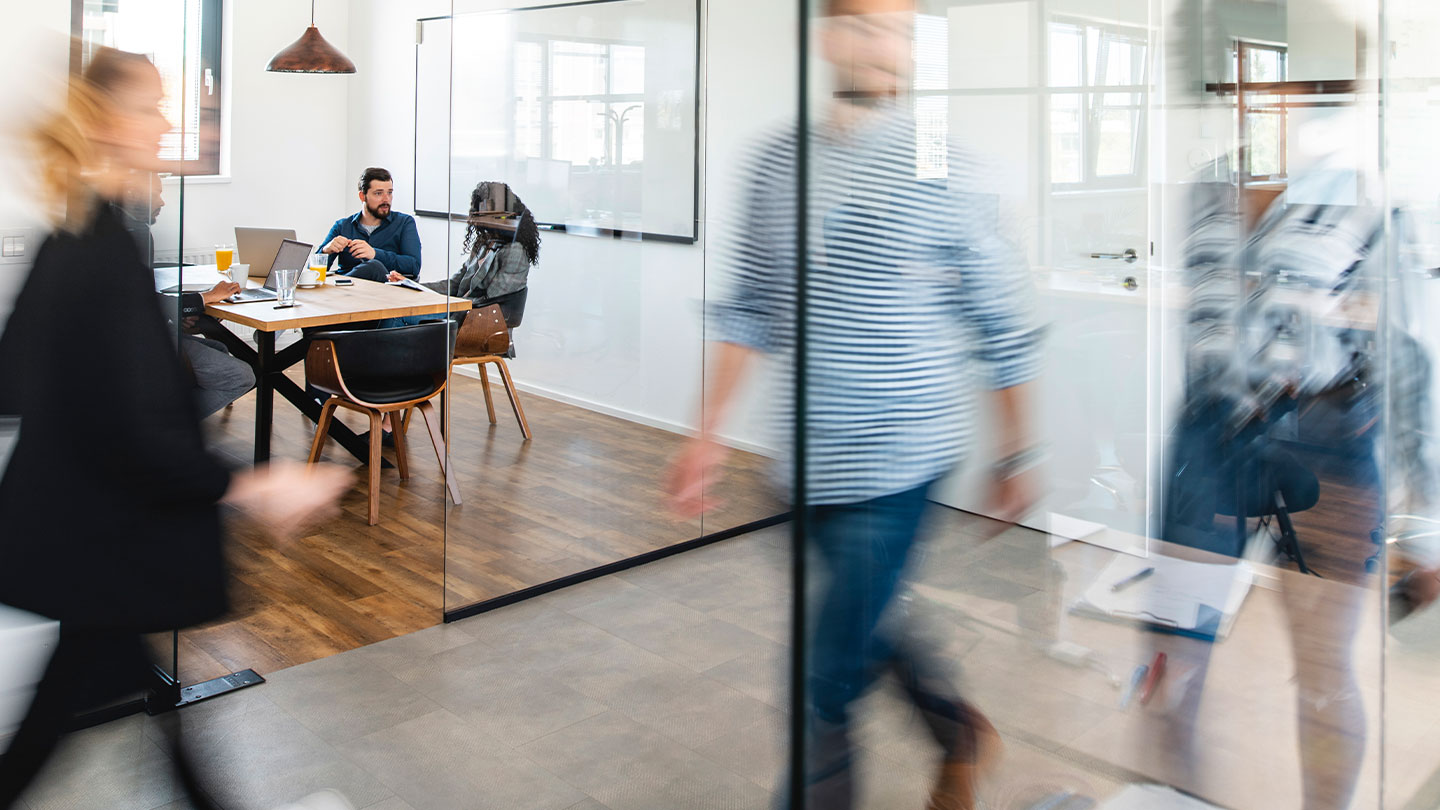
pixel 864 548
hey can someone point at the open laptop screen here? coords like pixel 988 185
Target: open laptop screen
pixel 291 256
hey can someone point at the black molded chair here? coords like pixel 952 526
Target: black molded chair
pixel 379 371
pixel 1275 485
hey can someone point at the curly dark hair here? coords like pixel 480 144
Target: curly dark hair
pixel 491 195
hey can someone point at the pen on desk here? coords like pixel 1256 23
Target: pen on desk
pixel 1136 678
pixel 1157 670
pixel 1132 579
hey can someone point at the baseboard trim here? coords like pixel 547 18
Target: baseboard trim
pixel 629 416
pixel 610 568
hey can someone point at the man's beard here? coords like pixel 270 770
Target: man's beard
pixel 377 213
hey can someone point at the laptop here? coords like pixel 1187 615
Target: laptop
pixel 291 255
pixel 258 247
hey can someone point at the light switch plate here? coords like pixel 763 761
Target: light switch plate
pixel 16 245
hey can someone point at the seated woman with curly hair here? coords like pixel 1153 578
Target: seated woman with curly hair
pixel 502 243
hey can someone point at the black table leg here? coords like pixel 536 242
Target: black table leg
pixel 264 394
pixel 270 379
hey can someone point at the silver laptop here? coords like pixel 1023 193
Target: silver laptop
pixel 258 246
pixel 291 255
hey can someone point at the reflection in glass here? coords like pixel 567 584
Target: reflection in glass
pixel 1066 43
pixel 596 105
pixel 1120 119
pixel 1095 134
pixel 1067 138
pixel 183 40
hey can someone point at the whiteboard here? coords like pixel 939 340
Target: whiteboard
pixel 588 111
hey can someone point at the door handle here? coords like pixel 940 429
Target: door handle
pixel 1129 255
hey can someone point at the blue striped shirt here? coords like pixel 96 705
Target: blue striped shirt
pixel 907 280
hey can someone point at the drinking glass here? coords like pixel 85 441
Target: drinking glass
pixel 224 255
pixel 285 279
pixel 320 262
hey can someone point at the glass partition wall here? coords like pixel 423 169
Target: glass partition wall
pixel 226 210
pixel 168 36
pixel 1086 342
pixel 1408 69
pixel 573 199
pixel 1180 251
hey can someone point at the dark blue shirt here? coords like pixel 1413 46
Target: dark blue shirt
pixel 396 243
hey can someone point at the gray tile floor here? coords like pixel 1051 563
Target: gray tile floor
pixel 656 688
pixel 661 688
pixel 664 688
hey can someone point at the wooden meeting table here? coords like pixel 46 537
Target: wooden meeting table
pixel 326 305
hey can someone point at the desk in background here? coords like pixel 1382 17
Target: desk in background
pixel 327 305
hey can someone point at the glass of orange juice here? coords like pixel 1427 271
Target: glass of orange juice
pixel 224 255
pixel 320 262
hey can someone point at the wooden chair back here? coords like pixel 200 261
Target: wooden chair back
pixel 483 332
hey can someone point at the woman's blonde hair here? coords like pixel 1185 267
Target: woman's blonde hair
pixel 65 145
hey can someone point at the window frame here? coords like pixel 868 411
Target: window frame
pixel 1091 92
pixel 547 98
pixel 1279 109
pixel 210 112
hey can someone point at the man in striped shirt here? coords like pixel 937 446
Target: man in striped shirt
pixel 905 279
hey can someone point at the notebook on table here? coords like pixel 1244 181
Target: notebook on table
pixel 1184 597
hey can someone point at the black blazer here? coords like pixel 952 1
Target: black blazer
pixel 108 509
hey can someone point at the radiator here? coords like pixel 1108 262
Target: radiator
pixel 188 256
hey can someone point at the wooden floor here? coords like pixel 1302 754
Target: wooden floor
pixel 587 490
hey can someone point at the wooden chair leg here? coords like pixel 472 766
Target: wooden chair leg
pixel 405 421
pixel 322 430
pixel 485 385
pixel 432 423
pixel 514 396
pixel 397 432
pixel 374 462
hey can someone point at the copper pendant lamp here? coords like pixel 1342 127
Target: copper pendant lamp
pixel 310 54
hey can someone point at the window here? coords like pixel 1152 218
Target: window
pixel 580 102
pixel 932 105
pixel 580 115
pixel 1265 115
pixel 182 38
pixel 1097 94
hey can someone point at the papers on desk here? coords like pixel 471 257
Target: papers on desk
pixel 1190 598
pixel 1154 797
pixel 1064 528
pixel 197 278
pixel 191 287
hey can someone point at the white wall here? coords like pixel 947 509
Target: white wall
pixel 35 38
pixel 287 135
pixel 382 42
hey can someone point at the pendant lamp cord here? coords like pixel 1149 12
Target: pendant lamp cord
pixel 312 13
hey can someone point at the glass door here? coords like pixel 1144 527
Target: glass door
pixel 573 173
pixel 1183 616
pixel 1060 105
